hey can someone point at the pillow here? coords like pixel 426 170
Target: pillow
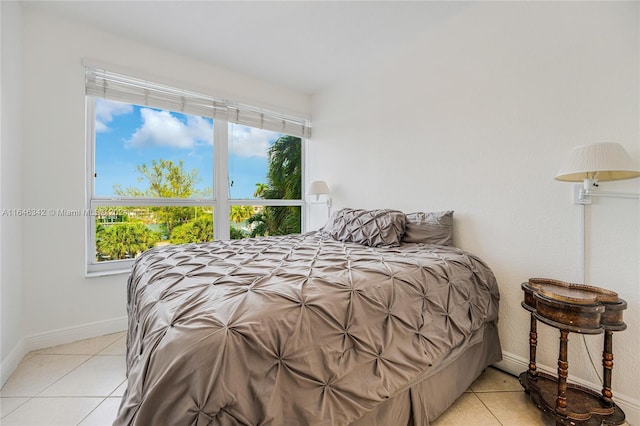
pixel 375 228
pixel 429 228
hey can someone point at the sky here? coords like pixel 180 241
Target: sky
pixel 129 135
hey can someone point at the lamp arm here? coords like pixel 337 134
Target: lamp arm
pixel 589 182
pixel 583 194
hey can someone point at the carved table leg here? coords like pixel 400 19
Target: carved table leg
pixel 533 342
pixel 563 372
pixel 607 368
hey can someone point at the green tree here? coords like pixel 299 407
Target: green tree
pixel 198 230
pixel 284 181
pixel 166 179
pixel 285 169
pixel 237 234
pixel 260 190
pixel 124 240
pixel 241 213
pixel 257 225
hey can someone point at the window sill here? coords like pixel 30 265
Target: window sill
pixel 102 269
pixel 96 274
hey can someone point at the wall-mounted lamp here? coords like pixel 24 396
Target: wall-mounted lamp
pixel 599 162
pixel 320 187
pixel 591 164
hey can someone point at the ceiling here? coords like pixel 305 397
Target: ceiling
pixel 301 45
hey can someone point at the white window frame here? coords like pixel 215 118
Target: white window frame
pixel 220 199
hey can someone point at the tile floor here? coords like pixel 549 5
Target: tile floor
pixel 76 384
pixel 81 384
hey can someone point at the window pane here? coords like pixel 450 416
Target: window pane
pixel 262 221
pixel 264 164
pixel 147 152
pixel 125 232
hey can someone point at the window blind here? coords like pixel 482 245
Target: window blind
pixel 117 87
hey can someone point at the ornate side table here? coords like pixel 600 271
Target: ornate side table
pixel 580 309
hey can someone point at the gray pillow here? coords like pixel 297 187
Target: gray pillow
pixel 375 228
pixel 429 228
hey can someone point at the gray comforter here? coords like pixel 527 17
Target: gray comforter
pixel 292 330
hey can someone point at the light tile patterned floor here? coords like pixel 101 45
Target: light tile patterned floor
pixel 76 384
pixel 81 384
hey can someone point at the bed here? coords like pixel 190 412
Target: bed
pixel 324 328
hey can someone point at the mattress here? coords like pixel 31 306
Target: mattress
pixel 297 330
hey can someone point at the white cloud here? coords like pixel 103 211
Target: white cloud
pixel 160 128
pixel 250 141
pixel 105 110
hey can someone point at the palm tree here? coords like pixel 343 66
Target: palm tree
pixel 285 171
pixel 196 231
pixel 240 213
pixel 284 178
pixel 261 188
pixel 124 240
pixel 258 225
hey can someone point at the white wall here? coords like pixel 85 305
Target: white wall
pixel 11 311
pixel 60 303
pixel 477 116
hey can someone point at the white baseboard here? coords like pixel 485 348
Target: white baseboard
pixel 515 365
pixel 10 363
pixel 56 337
pixel 62 336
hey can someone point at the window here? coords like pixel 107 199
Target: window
pixel 264 165
pixel 166 166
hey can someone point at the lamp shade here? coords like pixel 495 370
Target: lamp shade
pixel 318 187
pixel 601 161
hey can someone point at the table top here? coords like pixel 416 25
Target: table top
pixel 575 307
pixel 573 293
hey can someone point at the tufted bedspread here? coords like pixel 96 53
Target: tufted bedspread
pixel 292 330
